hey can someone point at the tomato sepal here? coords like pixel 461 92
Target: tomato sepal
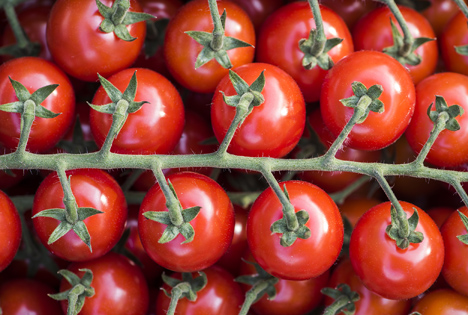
pixel 321 58
pixel 404 233
pixel 463 238
pixel 361 94
pixel 451 112
pixel 344 300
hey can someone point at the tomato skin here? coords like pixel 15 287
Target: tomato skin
pixel 306 258
pixel 272 129
pixel 279 37
pixel 155 128
pixel 446 150
pixel 91 188
pixel 10 230
pixel 442 302
pixel 439 14
pixel 354 208
pixel 392 272
pixel 81 49
pixel 259 10
pixel 213 226
pixel 369 68
pixel 221 295
pixel 26 296
pixel 351 11
pixel 369 302
pixel 181 51
pixel 35 73
pixel 374 32
pixel 454 34
pixel 120 287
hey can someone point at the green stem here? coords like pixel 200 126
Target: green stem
pixel 118 120
pixel 336 306
pixel 436 130
pixel 460 190
pixel 68 197
pixel 218 31
pixel 27 119
pixel 321 39
pixel 176 293
pixel 15 25
pixel 463 7
pixel 252 294
pixel 408 39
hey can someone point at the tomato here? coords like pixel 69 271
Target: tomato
pixel 354 208
pixel 440 214
pixel 369 302
pixel 155 128
pixel 439 14
pixel 398 96
pixel 272 129
pixel 119 285
pixel 392 272
pixel 306 258
pixel 221 295
pixel 442 302
pixel 446 150
pixel 351 11
pixel 259 10
pixel 374 32
pixel 91 188
pixel 292 297
pixel 213 226
pixel 26 296
pixel 279 37
pixel 81 49
pixel 181 51
pixel 454 34
pixel 10 230
pixel 35 73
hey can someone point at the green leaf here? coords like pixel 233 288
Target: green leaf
pixel 288 238
pixel 170 233
pixel 82 231
pixel 63 228
pixel 21 91
pixel 222 58
pixel 359 89
pixel 231 100
pixel 105 11
pixel 121 31
pixel 71 277
pixel 332 42
pixel 158 216
pixel 222 17
pixel 413 220
pixel 43 112
pixel 462 50
pixel 56 213
pixel 206 55
pixel 187 232
pixel 114 93
pixel 233 43
pixel 15 107
pixel 42 93
pixel 135 17
pixel 85 212
pixel 135 106
pixel 190 213
pixel 106 109
pixel 203 38
pixel 259 83
pixel 238 83
pixel 452 125
pixel 130 92
pixel 199 283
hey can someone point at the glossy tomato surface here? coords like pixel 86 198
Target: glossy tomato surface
pixel 454 34
pixel 119 285
pixel 448 148
pixel 306 258
pixel 35 73
pixel 271 129
pixel 221 295
pixel 439 14
pixel 398 97
pixel 386 269
pixel 10 230
pixel 279 37
pixel 181 51
pixel 213 226
pixel 91 188
pixel 81 49
pixel 442 302
pixel 155 128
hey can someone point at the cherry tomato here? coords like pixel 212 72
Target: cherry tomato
pixel 351 11
pixel 279 37
pixel 369 67
pixel 10 230
pixel 181 51
pixel 354 208
pixel 27 296
pixel 439 14
pixel 272 129
pixel 369 302
pixel 119 285
pixel 155 128
pixel 259 10
pixel 35 73
pixel 446 150
pixel 91 188
pixel 213 226
pixel 306 258
pixel 374 32
pixel 386 269
pixel 81 49
pixel 454 34
pixel 440 214
pixel 442 302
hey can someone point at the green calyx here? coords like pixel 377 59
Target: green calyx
pixel 117 17
pixel 402 229
pixel 462 50
pixel 401 51
pixel 175 228
pixel 290 235
pixel 448 114
pixel 187 287
pixel 155 33
pixel 80 290
pixel 464 219
pixel 316 51
pixel 344 300
pixel 262 283
pixel 216 44
pixel 368 96
pixel 78 144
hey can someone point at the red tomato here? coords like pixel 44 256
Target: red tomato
pixel 213 226
pixel 91 188
pixel 446 150
pixel 221 295
pixel 119 285
pixel 369 302
pixel 35 73
pixel 155 128
pixel 374 32
pixel 306 258
pixel 454 34
pixel 440 214
pixel 259 10
pixel 354 208
pixel 442 302
pixel 181 51
pixel 81 49
pixel 279 37
pixel 10 230
pixel 272 129
pixel 27 296
pixel 398 96
pixel 386 269
pixel 439 14
pixel 350 10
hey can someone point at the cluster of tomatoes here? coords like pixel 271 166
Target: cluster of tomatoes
pixel 299 98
